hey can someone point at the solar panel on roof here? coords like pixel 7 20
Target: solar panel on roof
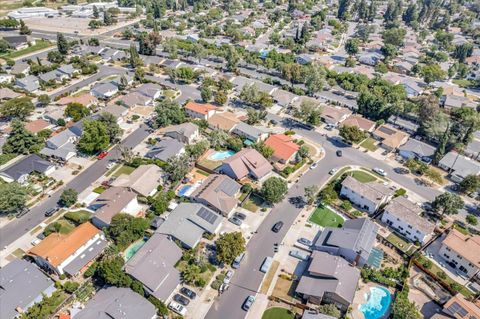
pixel 207 215
pixel 228 187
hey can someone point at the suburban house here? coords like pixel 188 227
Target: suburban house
pixel 117 303
pixel 368 196
pixel 334 115
pixel 218 192
pixel 360 122
pixel 284 148
pixel 104 90
pixel 200 111
pixel 8 94
pixel 118 111
pixel 185 133
pixel 459 307
pixel 21 169
pixel 353 241
pixel 246 163
pixel 461 252
pixel 304 59
pixel 22 285
pixel 154 266
pixel 389 137
pixel 144 180
pixel 134 99
pixel 29 83
pixel 188 222
pixel 329 279
pixel 62 145
pixel 284 98
pixel 405 217
pixel 85 99
pixel 36 126
pixel 459 166
pixel 113 201
pixel 370 57
pixel 20 68
pixel 165 149
pixel 223 121
pixel 415 149
pixel 454 101
pixel 249 132
pixel 70 253
pixel 18 42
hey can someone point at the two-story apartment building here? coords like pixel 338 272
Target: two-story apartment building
pixel 461 252
pixel 367 196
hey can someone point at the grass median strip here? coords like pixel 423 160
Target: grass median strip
pixel 267 281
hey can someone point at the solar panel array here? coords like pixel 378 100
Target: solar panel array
pixel 207 215
pixel 228 186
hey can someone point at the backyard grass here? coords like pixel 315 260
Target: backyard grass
pixel 285 289
pixel 463 83
pixel 326 218
pixel 398 242
pixel 206 275
pixel 125 169
pixel 363 177
pixel 278 313
pixel 253 203
pixel 209 164
pixel 369 144
pixel 39 45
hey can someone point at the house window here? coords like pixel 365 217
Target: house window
pixel 409 226
pixel 400 227
pixel 446 256
pixel 409 232
pixel 459 257
pixel 447 249
pixel 462 269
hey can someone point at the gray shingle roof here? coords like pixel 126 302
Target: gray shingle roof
pixel 87 256
pixel 165 149
pixel 417 147
pixel 462 165
pixel 218 191
pixel 408 212
pixel 27 165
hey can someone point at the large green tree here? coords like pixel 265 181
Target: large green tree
pixel 470 184
pixel 94 138
pixel 124 229
pixel 113 129
pixel 229 246
pixel 168 113
pixel 404 308
pixel 448 204
pixel 17 108
pixel 76 111
pixel 274 189
pixel 12 198
pixel 352 134
pixel 62 44
pixel 21 141
pixel 68 198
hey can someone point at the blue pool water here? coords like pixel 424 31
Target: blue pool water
pixel 220 156
pixel 133 248
pixel 182 191
pixel 378 301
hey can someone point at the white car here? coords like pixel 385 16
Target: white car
pixel 228 277
pixel 333 171
pixel 178 308
pixel 379 171
pixel 314 165
pixel 110 165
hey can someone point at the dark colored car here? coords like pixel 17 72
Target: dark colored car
pixel 51 211
pixel 276 228
pixel 339 153
pixel 181 299
pixel 189 293
pixel 235 221
pixel 241 216
pixel 401 170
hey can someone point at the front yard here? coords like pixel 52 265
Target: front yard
pixel 125 169
pixel 278 313
pixel 363 177
pixel 39 45
pixel 325 217
pixel 369 144
pixel 253 203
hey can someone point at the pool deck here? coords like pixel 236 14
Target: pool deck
pixel 364 288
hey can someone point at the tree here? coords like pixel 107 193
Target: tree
pixel 351 46
pixel 352 134
pixel 311 193
pixel 472 219
pixel 232 58
pixel 76 111
pixel 197 149
pixel 229 246
pixel 135 60
pixel 168 113
pixel 68 198
pixel 328 195
pixel 432 72
pixel 470 184
pixel 108 18
pixel 329 310
pixel 463 51
pixel 403 308
pixel 343 7
pixel 113 129
pixel 309 112
pixel 17 108
pixel 410 16
pixel 303 152
pixel 62 44
pixel 274 189
pixel 24 29
pixel 12 198
pixel 394 36
pixel 314 79
pixel 94 138
pixel 43 99
pixel 220 98
pixel 206 94
pixel 447 203
pixel 263 149
pixel 21 141
pixel 255 116
pixel 161 307
pixel 4 46
pixel 96 14
pixel 125 229
pixel 177 167
pixel 110 270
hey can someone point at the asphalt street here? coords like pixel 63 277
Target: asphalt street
pixel 20 226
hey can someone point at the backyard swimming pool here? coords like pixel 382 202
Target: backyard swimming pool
pixel 182 191
pixel 378 302
pixel 133 248
pixel 220 156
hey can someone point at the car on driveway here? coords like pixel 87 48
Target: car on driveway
pixel 379 171
pixel 339 153
pixel 305 241
pixel 181 299
pixel 189 293
pixel 248 303
pixel 298 254
pixel 238 260
pixel 239 215
pixel 235 220
pixel 177 308
pixel 276 228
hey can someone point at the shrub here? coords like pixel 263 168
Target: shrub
pixel 441 275
pixel 400 192
pixel 427 264
pixel 346 205
pixel 472 220
pixel 70 286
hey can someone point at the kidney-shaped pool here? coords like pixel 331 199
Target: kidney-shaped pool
pixel 377 303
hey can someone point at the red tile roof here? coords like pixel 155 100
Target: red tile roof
pixel 200 108
pixel 282 145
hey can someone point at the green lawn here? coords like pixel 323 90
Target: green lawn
pixel 64 225
pixel 325 217
pixel 278 313
pixel 463 83
pixel 125 169
pixel 39 45
pixel 363 177
pixel 253 203
pixel 78 217
pixel 99 189
pixel 398 242
pixel 369 144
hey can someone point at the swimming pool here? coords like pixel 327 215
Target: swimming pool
pixel 182 191
pixel 220 156
pixel 133 248
pixel 378 302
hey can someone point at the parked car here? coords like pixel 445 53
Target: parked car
pixel 235 220
pixel 110 165
pixel 276 228
pixel 339 153
pixel 298 254
pixel 314 165
pixel 188 292
pixel 401 170
pixel 228 276
pixel 51 211
pixel 102 155
pixel 181 299
pixel 238 260
pixel 248 303
pixel 241 216
pixel 178 308
pixel 333 171
pixel 379 171
pixel 305 241
pixel 23 211
pixel 266 264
